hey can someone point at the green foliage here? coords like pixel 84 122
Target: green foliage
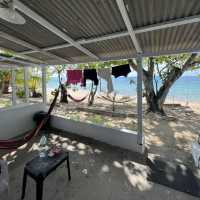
pixel 20 77
pixel 34 82
pixel 165 65
pixel 96 119
pixel 58 69
pixel 172 60
pixel 20 93
pixel 5 75
pixel 6 53
pixel 98 65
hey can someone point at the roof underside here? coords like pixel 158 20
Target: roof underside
pixel 85 31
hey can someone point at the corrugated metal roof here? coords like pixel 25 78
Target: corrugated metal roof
pixel 10 45
pixel 42 56
pixel 113 48
pixel 148 12
pixel 80 18
pixel 170 39
pixel 9 63
pixel 31 32
pixel 71 53
pixel 88 19
pixel 110 48
pixel 16 60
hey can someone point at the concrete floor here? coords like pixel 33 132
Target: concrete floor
pixel 99 172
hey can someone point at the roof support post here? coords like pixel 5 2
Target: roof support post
pixel 26 88
pixel 140 136
pixel 13 84
pixel 44 87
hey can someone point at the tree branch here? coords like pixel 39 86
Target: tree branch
pixel 135 67
pixel 173 75
pixel 151 65
pixel 132 64
pixel 189 61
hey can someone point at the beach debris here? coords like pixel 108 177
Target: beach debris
pixel 85 172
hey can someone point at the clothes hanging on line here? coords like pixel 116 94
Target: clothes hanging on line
pixel 90 74
pixel 121 70
pixel 106 75
pixel 74 76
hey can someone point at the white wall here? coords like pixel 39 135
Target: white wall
pixel 122 138
pixel 18 119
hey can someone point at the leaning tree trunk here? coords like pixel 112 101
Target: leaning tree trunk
pixel 153 101
pixel 156 99
pixel 92 95
pixel 63 97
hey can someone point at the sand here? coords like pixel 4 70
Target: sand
pixel 167 137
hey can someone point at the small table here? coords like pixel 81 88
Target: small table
pixel 39 168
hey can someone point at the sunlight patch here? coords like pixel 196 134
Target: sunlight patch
pixel 137 175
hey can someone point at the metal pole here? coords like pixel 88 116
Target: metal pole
pixel 44 88
pixel 26 88
pixel 140 137
pixel 13 85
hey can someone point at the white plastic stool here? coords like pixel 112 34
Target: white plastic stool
pixel 196 153
pixel 4 180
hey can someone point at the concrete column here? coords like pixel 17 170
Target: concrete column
pixel 26 88
pixel 13 85
pixel 140 138
pixel 44 87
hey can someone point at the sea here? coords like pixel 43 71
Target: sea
pixel 186 89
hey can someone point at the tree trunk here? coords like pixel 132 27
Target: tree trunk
pixel 63 97
pixel 155 97
pixel 92 95
pixel 153 101
pixel 155 105
pixel 5 87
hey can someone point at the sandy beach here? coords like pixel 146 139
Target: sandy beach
pixel 168 137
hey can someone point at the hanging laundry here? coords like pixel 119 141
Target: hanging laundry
pixel 90 74
pixel 106 75
pixel 74 76
pixel 122 70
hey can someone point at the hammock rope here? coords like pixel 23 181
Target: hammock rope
pixel 15 143
pixel 76 99
pixel 115 101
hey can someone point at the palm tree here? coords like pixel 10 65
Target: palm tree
pixel 5 77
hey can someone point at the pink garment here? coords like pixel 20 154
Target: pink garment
pixel 74 76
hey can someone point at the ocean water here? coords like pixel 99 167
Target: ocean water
pixel 186 89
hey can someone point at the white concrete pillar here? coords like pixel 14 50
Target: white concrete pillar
pixel 140 138
pixel 26 88
pixel 44 87
pixel 13 85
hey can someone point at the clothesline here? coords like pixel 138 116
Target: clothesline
pixel 82 69
pixel 76 76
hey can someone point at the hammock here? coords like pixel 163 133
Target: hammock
pixel 15 143
pixel 115 101
pixel 77 100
